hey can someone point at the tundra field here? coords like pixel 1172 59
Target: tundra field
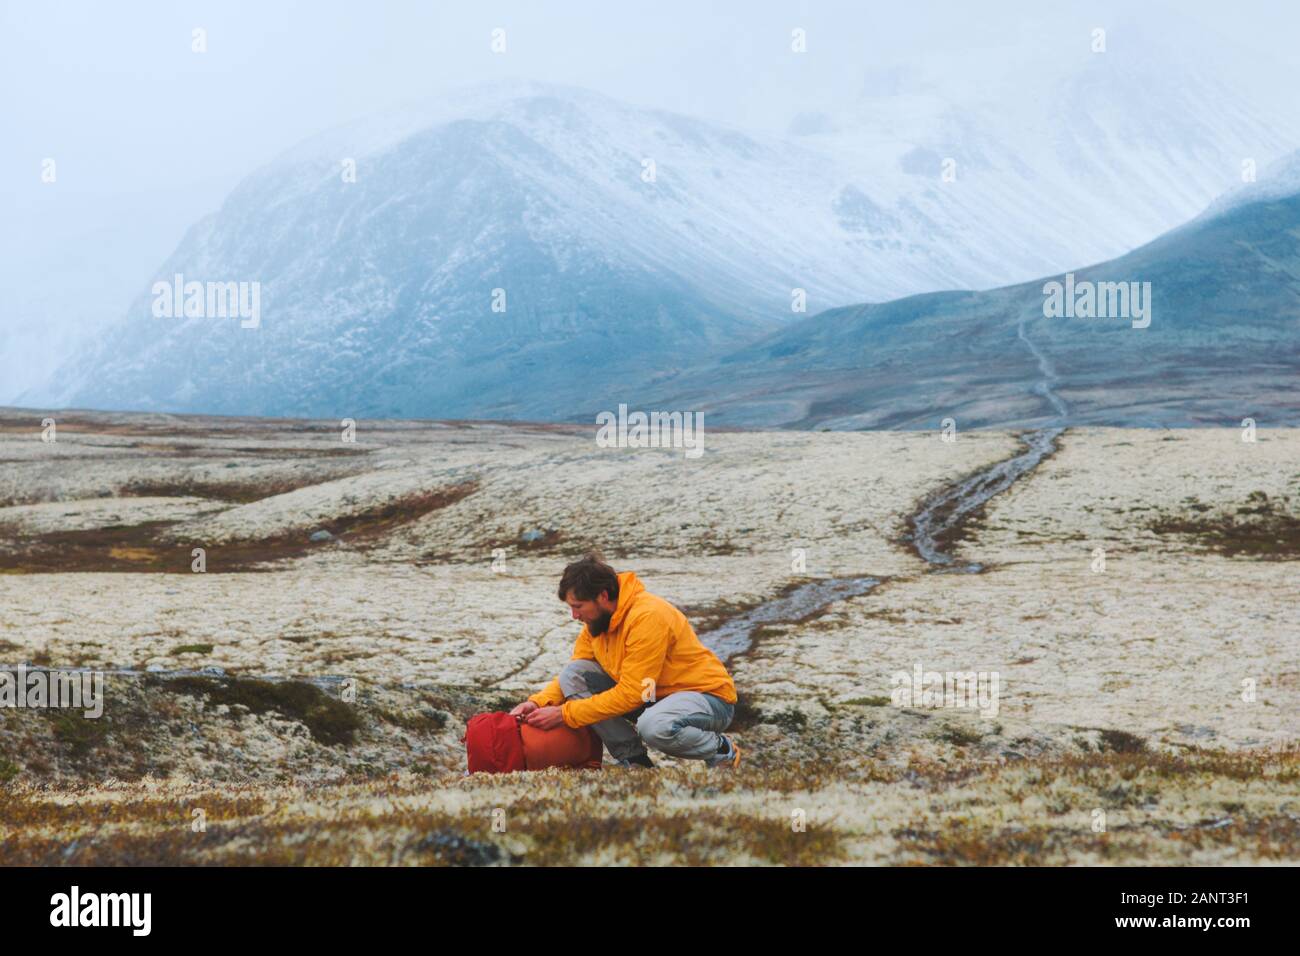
pixel 301 699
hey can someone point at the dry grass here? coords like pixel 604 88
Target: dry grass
pixel 788 816
pixel 149 547
pixel 1260 527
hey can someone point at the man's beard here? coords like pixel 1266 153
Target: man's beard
pixel 600 625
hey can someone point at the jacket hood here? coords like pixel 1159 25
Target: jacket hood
pixel 629 589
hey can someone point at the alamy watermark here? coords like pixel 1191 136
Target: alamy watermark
pixel 922 688
pixel 652 430
pixel 76 908
pixel 208 300
pixel 44 688
pixel 1098 300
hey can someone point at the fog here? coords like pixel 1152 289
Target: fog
pixel 147 135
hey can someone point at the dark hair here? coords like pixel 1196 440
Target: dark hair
pixel 587 577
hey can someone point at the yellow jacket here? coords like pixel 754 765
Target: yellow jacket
pixel 647 638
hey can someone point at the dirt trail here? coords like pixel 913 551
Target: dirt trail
pixel 943 513
pixel 934 526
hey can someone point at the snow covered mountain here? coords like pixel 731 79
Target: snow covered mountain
pixel 627 245
pixel 622 240
pixel 1215 339
pixel 1056 161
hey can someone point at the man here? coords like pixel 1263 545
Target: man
pixel 639 676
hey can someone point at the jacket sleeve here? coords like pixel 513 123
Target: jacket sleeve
pixel 551 693
pixel 647 646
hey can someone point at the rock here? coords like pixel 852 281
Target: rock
pixel 321 535
pixel 450 847
pixel 155 668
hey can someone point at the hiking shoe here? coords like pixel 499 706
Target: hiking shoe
pixel 729 758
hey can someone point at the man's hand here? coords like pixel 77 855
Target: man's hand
pixel 545 718
pixel 524 709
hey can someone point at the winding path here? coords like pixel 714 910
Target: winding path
pixel 932 525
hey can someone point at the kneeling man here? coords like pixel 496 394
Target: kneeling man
pixel 639 676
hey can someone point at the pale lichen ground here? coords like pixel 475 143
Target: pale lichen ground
pixel 423 607
pixel 1089 617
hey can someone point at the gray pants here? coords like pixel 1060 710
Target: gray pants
pixel 684 724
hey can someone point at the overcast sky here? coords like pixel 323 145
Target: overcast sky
pixel 115 90
pixel 148 135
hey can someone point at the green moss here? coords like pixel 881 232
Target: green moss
pixel 421 723
pixel 791 720
pixel 1121 742
pixel 330 721
pixel 959 736
pixel 866 702
pixel 745 715
pixel 191 649
pixel 81 734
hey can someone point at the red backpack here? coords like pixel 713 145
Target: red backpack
pixel 493 743
pixel 499 743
